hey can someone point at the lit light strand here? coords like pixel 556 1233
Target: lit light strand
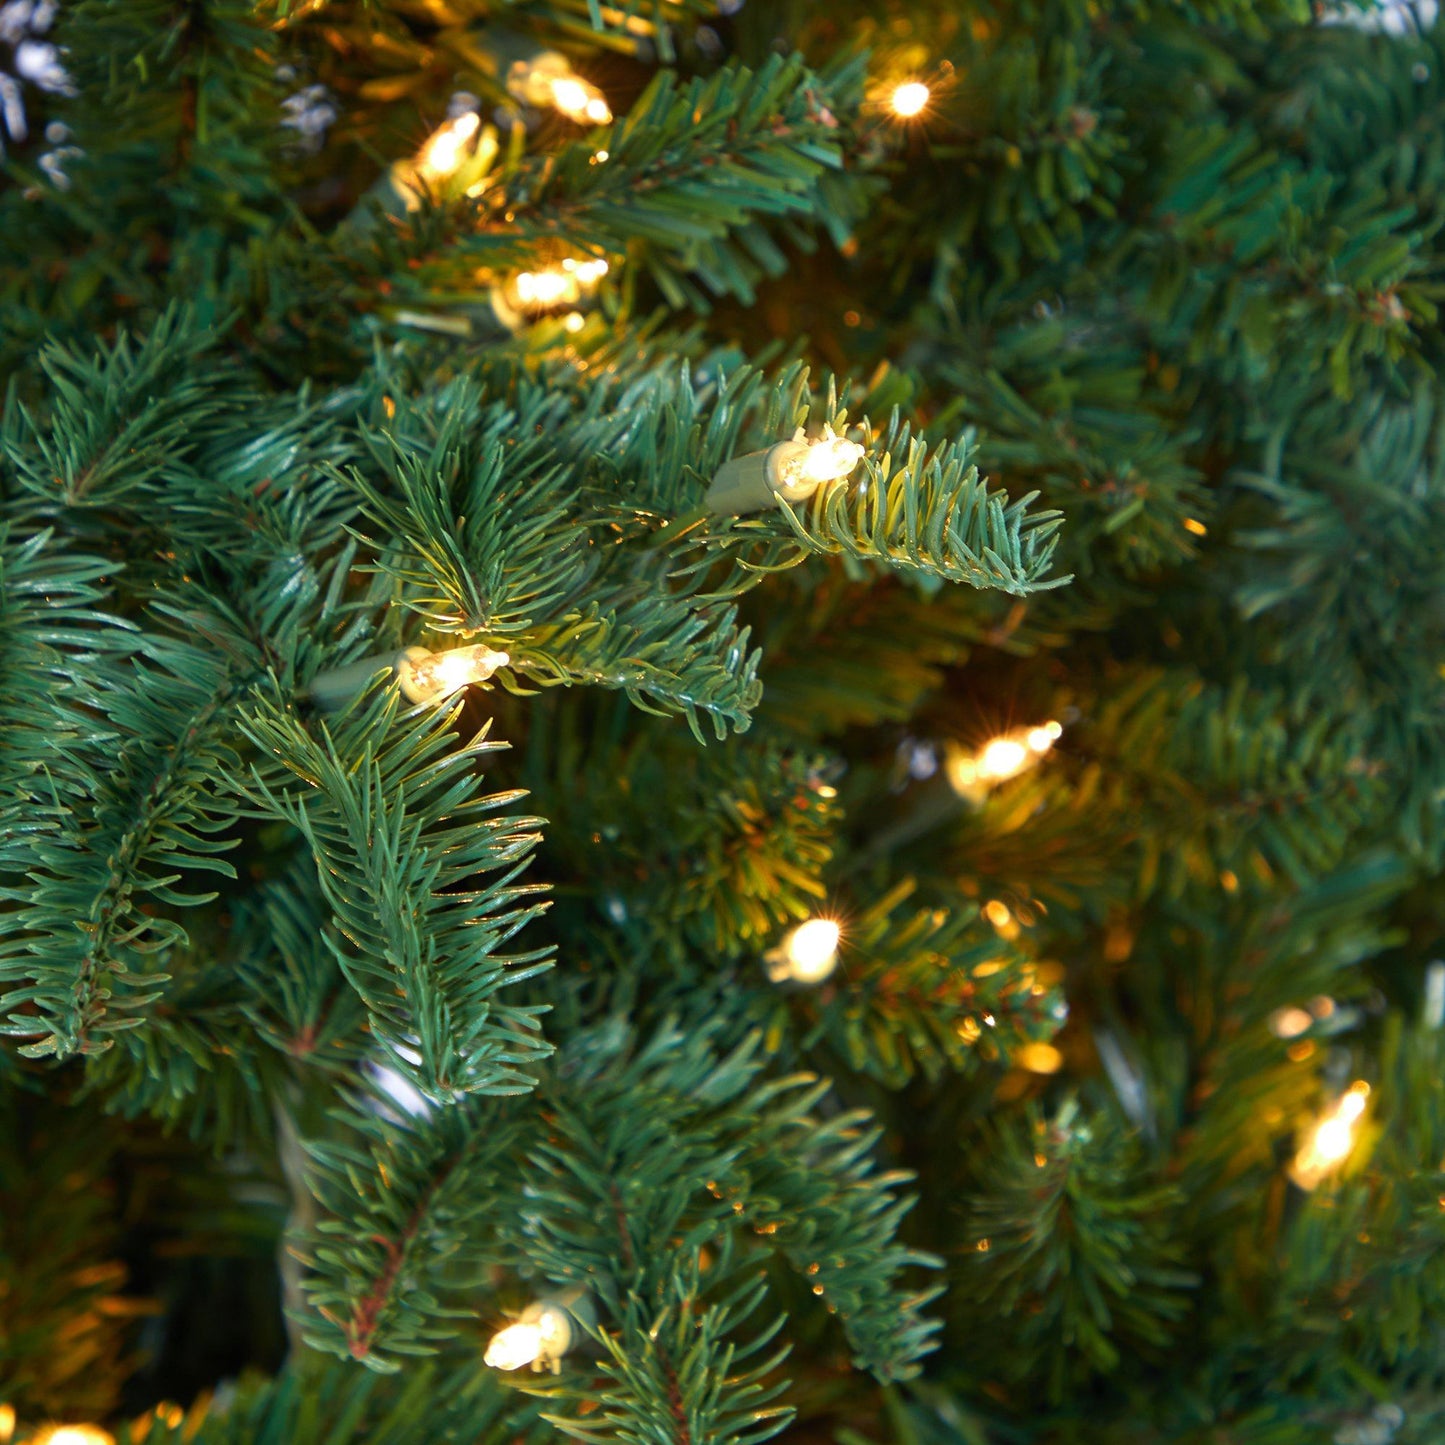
pixel 1006 756
pixel 424 676
pixel 548 80
pixel 442 154
pixel 809 953
pixel 909 100
pixel 529 294
pixel 790 471
pixel 1331 1138
pixel 457 155
pixel 431 676
pixel 545 1332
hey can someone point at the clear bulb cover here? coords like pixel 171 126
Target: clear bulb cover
pixel 430 676
pixel 910 99
pixel 514 1347
pixel 812 950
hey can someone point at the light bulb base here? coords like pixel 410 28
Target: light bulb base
pixel 759 480
pixel 335 688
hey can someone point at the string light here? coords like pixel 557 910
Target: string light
pixel 579 100
pixel 545 288
pixel 546 1330
pixel 909 99
pixel 460 150
pixel 1331 1138
pixel 73 1435
pixel 7 1423
pixel 430 676
pixel 424 676
pixel 443 152
pixel 533 291
pixel 515 1346
pixel 809 953
pixel 549 80
pixel 829 460
pixel 588 273
pixel 1290 1023
pixel 1039 1058
pixel 1001 758
pixel 790 471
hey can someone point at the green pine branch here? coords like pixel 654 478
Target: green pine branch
pixel 421 870
pixel 1066 1239
pixel 412 1208
pixel 128 818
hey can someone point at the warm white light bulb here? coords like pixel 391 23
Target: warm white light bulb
pixel 1353 1104
pixel 73 1435
pixel 442 154
pixel 1040 740
pixel 909 99
pixel 7 1422
pixel 574 321
pixel 515 1346
pixel 430 676
pixel 1289 1023
pixel 1332 1138
pixel 831 459
pixel 1002 758
pixel 579 100
pixel 545 288
pixel 569 95
pixel 811 950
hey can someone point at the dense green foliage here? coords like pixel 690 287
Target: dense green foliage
pixel 339 1028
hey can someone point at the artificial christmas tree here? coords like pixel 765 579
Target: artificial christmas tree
pixel 721 721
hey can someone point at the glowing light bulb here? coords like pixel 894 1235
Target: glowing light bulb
pixel 542 1336
pixel 909 99
pixel 1332 1138
pixel 807 465
pixel 574 321
pixel 579 100
pixel 831 459
pixel 588 273
pixel 810 951
pixel 1039 1059
pixel 515 1346
pixel 73 1435
pixel 545 288
pixel 789 471
pixel 548 79
pixel 7 1423
pixel 442 153
pixel 570 96
pixel 430 676
pixel 1002 758
pixel 1290 1023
